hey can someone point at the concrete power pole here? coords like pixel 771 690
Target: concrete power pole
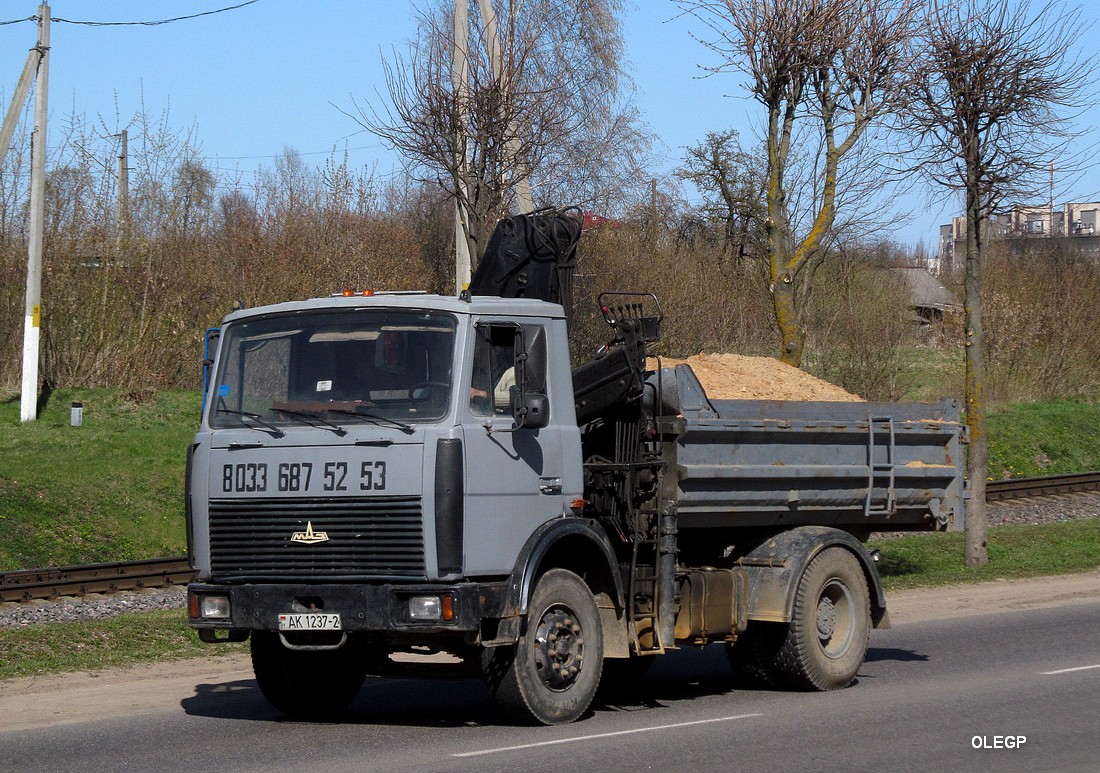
pixel 28 405
pixel 123 186
pixel 460 74
pixel 1065 230
pixel 19 98
pixel 492 38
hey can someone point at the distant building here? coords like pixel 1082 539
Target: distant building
pixel 928 298
pixel 1074 221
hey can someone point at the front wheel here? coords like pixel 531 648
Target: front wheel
pixel 551 674
pixel 306 684
pixel 826 641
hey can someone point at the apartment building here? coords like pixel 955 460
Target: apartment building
pixel 1077 221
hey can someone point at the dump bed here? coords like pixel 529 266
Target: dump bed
pixel 877 466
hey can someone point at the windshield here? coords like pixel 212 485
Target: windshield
pixel 332 368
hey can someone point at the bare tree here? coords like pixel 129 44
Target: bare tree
pixel 834 65
pixel 550 112
pixel 987 106
pixel 731 182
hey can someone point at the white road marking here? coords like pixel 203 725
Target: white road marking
pixel 602 735
pixel 1070 670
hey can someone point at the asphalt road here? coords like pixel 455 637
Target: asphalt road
pixel 929 693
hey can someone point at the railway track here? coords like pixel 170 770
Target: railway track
pixel 1049 485
pixel 29 584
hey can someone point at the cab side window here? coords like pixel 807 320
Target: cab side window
pixel 493 372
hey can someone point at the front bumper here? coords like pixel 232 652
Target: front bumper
pixel 382 609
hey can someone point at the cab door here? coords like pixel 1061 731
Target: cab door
pixel 513 475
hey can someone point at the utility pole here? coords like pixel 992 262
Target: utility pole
pixel 123 187
pixel 459 76
pixel 28 405
pixel 1051 234
pixel 492 39
pixel 19 98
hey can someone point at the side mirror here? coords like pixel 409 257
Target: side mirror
pixel 532 412
pixel 209 345
pixel 530 404
pixel 531 355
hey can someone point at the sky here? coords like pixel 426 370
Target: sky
pixel 279 74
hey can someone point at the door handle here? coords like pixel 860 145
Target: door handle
pixel 550 485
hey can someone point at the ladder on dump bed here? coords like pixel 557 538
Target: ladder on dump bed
pixel 881 473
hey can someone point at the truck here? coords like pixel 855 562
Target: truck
pixel 423 485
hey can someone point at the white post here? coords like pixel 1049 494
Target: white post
pixel 29 395
pixel 463 268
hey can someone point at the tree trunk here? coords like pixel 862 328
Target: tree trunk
pixel 977 460
pixel 788 318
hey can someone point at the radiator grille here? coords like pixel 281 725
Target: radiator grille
pixel 380 536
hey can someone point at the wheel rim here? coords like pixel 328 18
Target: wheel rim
pixel 559 648
pixel 835 619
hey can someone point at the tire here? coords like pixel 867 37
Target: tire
pixel 826 640
pixel 306 684
pixel 551 674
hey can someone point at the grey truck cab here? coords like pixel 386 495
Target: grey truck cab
pixel 368 440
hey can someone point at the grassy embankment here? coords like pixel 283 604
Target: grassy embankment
pixel 109 490
pixel 112 490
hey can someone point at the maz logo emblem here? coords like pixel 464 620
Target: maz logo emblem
pixel 309 536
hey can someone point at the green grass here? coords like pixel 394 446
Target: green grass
pixel 125 640
pixel 109 490
pixel 1015 552
pixel 932 373
pixel 1048 438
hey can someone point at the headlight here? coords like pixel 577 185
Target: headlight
pixel 210 607
pixel 425 608
pixel 432 608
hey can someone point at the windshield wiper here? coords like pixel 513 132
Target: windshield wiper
pixel 317 421
pixel 256 418
pixel 374 417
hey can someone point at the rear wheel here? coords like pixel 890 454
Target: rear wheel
pixel 552 672
pixel 309 684
pixel 826 641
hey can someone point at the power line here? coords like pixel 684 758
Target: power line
pixel 335 150
pixel 152 23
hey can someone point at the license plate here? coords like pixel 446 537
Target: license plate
pixel 311 621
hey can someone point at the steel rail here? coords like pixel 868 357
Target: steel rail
pixel 30 584
pixel 1044 486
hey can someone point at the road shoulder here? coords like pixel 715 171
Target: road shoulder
pixel 951 601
